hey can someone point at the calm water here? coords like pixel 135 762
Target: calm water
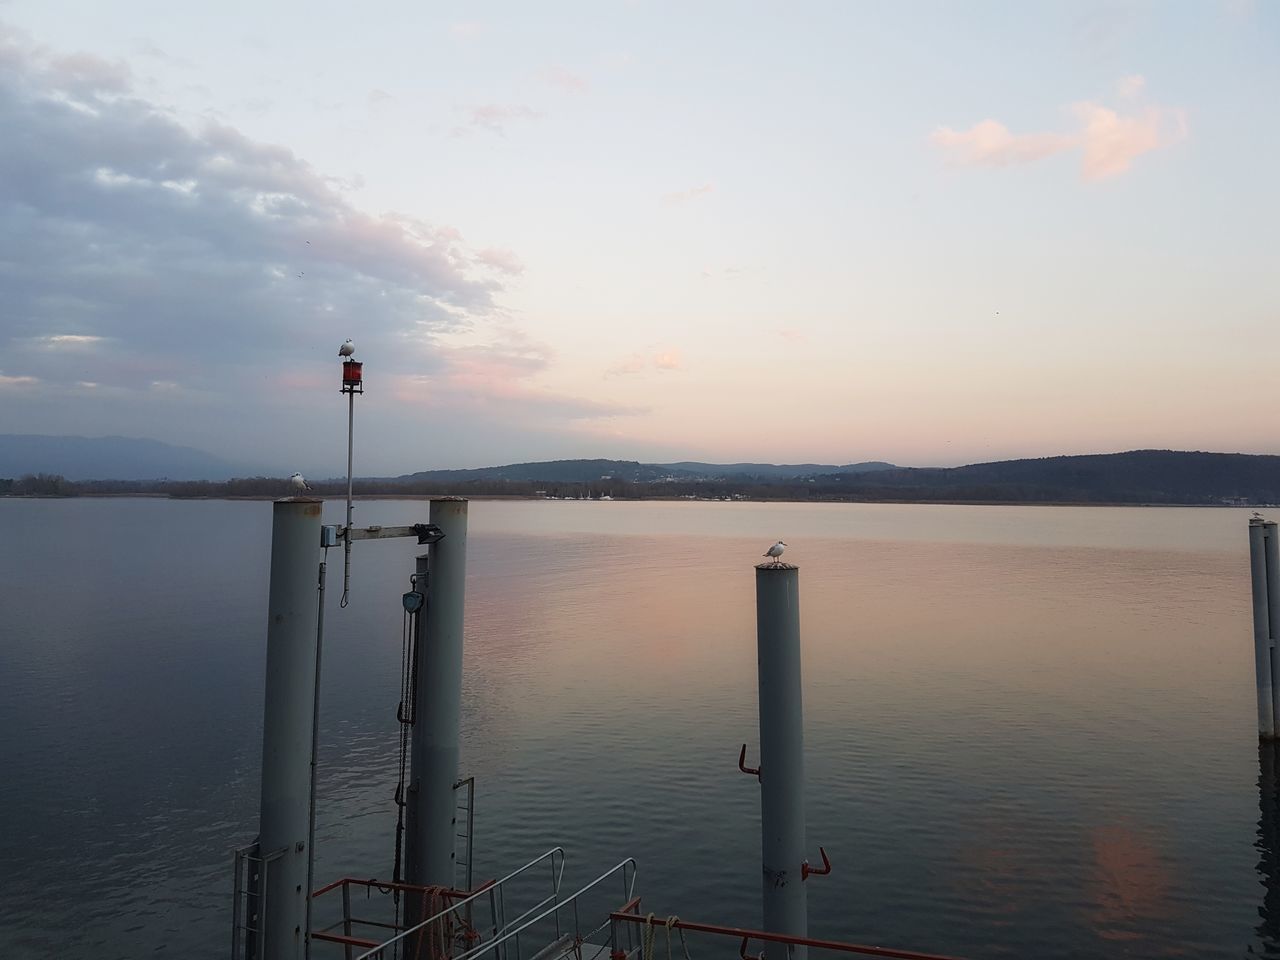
pixel 1030 731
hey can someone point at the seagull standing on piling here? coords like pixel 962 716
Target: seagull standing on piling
pixel 347 349
pixel 775 551
pixel 299 483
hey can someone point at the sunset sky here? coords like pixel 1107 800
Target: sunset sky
pixel 930 233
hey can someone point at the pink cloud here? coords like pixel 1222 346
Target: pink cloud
pixel 496 116
pixel 499 259
pixel 558 76
pixel 1109 141
pixel 668 359
pixel 1130 86
pixel 990 143
pixel 693 193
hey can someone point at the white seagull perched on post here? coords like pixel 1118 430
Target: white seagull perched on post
pixel 347 349
pixel 775 551
pixel 299 483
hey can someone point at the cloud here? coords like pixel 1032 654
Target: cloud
pixel 494 117
pixel 667 359
pixel 466 29
pixel 558 76
pixel 504 261
pixel 69 340
pixel 1112 142
pixel 1108 140
pixel 7 381
pixel 501 372
pixel 693 193
pixel 991 143
pixel 793 335
pixel 1131 86
pixel 377 97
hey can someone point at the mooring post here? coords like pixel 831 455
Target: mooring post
pixel 1264 568
pixel 782 829
pixel 292 613
pixel 431 815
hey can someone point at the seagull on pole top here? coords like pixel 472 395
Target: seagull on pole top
pixel 775 551
pixel 347 349
pixel 299 483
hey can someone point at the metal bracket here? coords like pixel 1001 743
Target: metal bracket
pixel 425 532
pixel 807 871
pixel 742 763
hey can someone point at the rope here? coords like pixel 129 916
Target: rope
pixel 650 931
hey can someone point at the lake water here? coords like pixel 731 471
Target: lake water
pixel 1030 732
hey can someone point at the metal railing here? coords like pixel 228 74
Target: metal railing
pixel 507 945
pixel 453 922
pixel 353 927
pixel 467 807
pixel 249 901
pixel 623 922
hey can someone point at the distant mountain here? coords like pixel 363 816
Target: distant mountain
pixel 1137 476
pixel 632 471
pixel 109 458
pixel 774 471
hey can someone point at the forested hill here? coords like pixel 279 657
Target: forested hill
pixel 1139 476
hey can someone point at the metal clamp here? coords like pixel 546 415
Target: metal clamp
pixel 806 871
pixel 428 533
pixel 742 763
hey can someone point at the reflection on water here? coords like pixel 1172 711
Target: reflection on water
pixel 1029 731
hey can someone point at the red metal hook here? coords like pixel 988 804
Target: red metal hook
pixel 806 871
pixel 742 763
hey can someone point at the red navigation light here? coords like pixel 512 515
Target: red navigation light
pixel 352 376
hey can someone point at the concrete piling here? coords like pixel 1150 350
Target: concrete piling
pixel 782 823
pixel 288 725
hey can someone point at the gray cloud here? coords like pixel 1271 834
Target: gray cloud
pixel 140 257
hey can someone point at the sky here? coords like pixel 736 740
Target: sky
pixel 929 233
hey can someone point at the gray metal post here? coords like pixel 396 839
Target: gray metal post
pixel 287 722
pixel 1264 568
pixel 432 804
pixel 782 830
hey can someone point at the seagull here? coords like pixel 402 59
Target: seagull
pixel 347 349
pixel 775 551
pixel 299 483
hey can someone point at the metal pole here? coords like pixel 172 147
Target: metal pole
pixel 1262 548
pixel 346 540
pixel 288 719
pixel 432 810
pixel 782 829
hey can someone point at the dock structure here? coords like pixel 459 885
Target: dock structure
pixel 781 772
pixel 1264 568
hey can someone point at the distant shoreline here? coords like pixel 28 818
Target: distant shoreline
pixel 495 496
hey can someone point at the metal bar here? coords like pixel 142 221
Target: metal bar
pixel 288 718
pixel 766 937
pixel 1260 532
pixel 346 545
pixel 380 533
pixel 782 827
pixel 346 914
pixel 346 940
pixel 237 896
